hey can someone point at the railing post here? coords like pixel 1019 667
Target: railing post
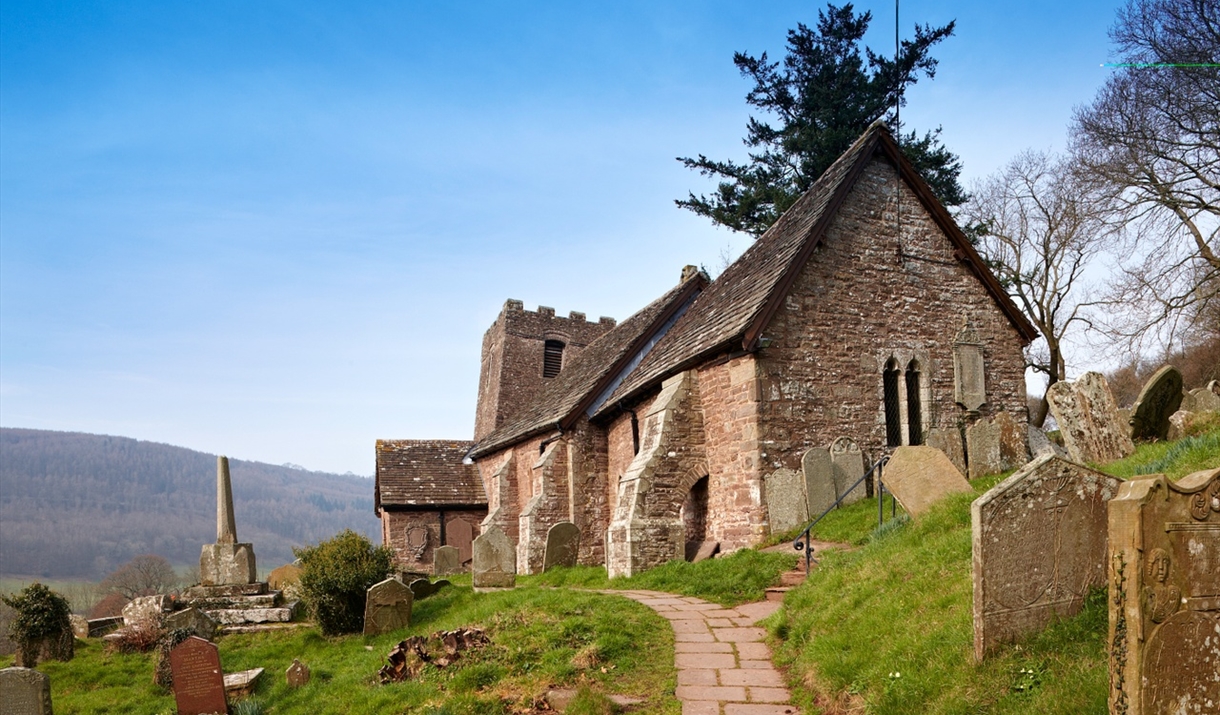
pixel 880 499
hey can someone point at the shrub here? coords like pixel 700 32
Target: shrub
pixel 41 626
pixel 335 575
pixel 139 637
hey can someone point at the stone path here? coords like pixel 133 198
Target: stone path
pixel 724 668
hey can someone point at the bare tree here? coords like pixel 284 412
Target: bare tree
pixel 144 575
pixel 1040 231
pixel 1152 136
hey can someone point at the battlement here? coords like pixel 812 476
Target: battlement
pixel 516 307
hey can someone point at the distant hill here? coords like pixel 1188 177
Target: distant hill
pixel 76 505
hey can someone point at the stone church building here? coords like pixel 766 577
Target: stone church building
pixel 864 312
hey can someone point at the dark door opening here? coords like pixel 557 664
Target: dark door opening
pixel 694 517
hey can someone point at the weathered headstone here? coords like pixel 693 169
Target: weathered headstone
pixel 1088 420
pixel 918 477
pixel 706 550
pixel 281 578
pixel 848 462
pixel 948 441
pixel 1179 424
pixel 80 626
pixel 146 609
pixel 995 444
pixel 1201 399
pixel 1040 444
pixel 1160 398
pixel 194 620
pixel 421 588
pixel 199 685
pixel 562 545
pixel 226 562
pixel 24 691
pixel 1164 573
pixel 969 387
pixel 297 674
pixel 242 683
pixel 494 563
pixel 787 505
pixel 446 560
pixel 1039 547
pixel 459 534
pixel 387 607
pixel 819 470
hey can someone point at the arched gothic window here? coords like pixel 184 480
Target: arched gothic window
pixel 914 419
pixel 893 414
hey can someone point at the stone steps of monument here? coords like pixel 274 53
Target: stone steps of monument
pixel 244 589
pixel 266 600
pixel 264 627
pixel 239 616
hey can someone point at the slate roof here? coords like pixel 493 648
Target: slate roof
pixel 424 472
pixel 733 311
pixel 581 382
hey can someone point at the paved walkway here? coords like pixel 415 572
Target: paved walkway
pixel 724 668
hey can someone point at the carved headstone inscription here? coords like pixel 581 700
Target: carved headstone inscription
pixel 24 691
pixel 848 464
pixel 1039 547
pixel 819 469
pixel 1160 398
pixel 494 563
pixel 387 607
pixel 969 389
pixel 199 685
pixel 1164 574
pixel 921 476
pixel 459 533
pixel 1088 420
pixel 446 560
pixel 787 505
pixel 562 544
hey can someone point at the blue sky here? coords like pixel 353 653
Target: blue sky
pixel 278 230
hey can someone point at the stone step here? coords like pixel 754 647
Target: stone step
pixel 776 593
pixel 237 616
pixel 244 589
pixel 264 627
pixel 266 600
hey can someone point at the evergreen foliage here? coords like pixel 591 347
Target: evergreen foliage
pixel 40 614
pixel 824 96
pixel 336 574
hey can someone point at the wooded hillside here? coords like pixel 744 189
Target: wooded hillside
pixel 78 505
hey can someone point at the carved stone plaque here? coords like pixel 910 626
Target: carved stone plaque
pixel 199 684
pixel 1039 547
pixel 969 384
pixel 1164 580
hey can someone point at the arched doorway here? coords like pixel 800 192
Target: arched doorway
pixel 694 517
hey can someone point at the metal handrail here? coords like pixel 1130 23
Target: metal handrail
pixel 802 541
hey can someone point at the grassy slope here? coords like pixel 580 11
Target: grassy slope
pixel 888 626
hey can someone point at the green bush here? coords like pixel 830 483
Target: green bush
pixel 41 624
pixel 335 575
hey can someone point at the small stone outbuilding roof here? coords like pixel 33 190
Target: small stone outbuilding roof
pixel 587 378
pixel 735 309
pixel 425 473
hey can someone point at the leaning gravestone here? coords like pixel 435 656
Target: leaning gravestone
pixel 848 464
pixel 387 607
pixel 1039 548
pixel 1164 571
pixel 199 684
pixel 446 560
pixel 921 476
pixel 146 609
pixel 24 691
pixel 562 545
pixel 819 470
pixel 1160 398
pixel 494 560
pixel 1088 420
pixel 787 505
pixel 1201 399
pixel 194 620
pixel 948 441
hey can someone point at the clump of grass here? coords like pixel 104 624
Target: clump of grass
pixel 1174 459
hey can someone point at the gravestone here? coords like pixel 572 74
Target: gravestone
pixel 848 463
pixel 283 577
pixel 1039 547
pixel 146 609
pixel 1088 420
pixel 1160 398
pixel 80 625
pixel 446 560
pixel 494 560
pixel 1201 399
pixel 459 534
pixel 24 691
pixel 948 441
pixel 199 684
pixel 387 607
pixel 421 588
pixel 995 444
pixel 226 562
pixel 1040 444
pixel 562 544
pixel 969 388
pixel 297 674
pixel 918 477
pixel 819 471
pixel 787 505
pixel 1164 579
pixel 194 620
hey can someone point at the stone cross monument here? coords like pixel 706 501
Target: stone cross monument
pixel 226 562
